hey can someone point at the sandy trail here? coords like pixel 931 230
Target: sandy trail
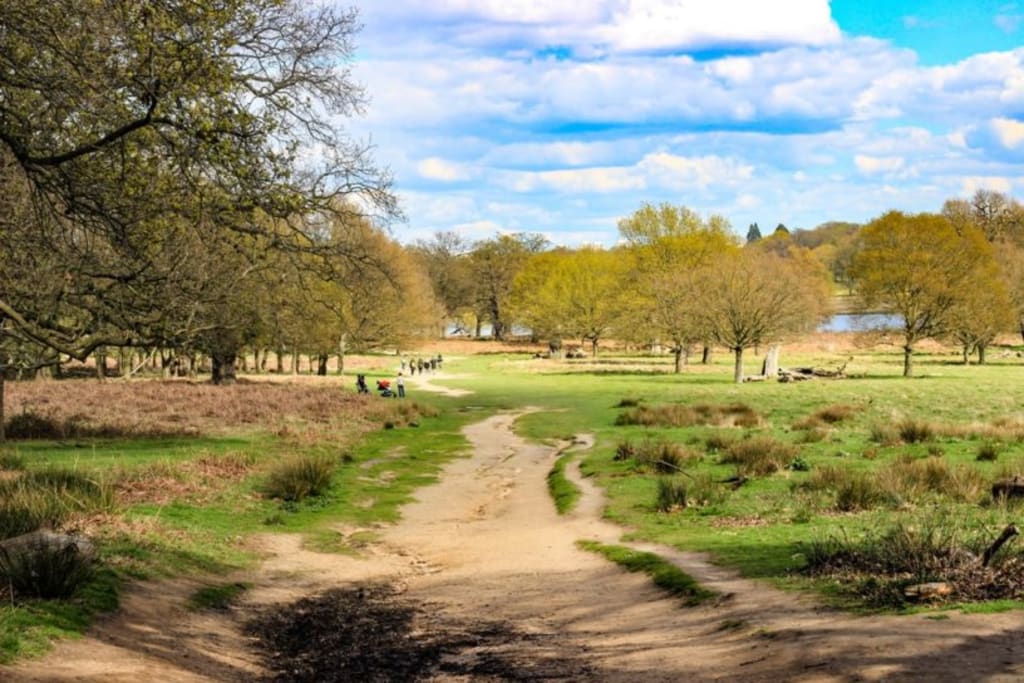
pixel 484 544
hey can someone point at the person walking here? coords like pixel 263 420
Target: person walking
pixel 401 385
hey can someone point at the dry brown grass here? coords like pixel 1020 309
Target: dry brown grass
pixel 196 480
pixel 679 415
pixel 114 408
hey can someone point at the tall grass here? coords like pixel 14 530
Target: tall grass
pixel 681 415
pixel 45 498
pixel 759 455
pixel 299 477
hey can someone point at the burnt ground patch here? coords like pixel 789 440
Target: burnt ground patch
pixel 372 633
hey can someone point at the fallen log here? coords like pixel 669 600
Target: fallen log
pixel 1008 533
pixel 1009 488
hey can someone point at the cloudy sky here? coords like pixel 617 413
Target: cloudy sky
pixel 562 117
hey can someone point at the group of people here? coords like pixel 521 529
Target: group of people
pixel 384 388
pixel 432 364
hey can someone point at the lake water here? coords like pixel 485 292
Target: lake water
pixel 852 322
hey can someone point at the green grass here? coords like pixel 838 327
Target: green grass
pixel 565 493
pixel 209 537
pixel 218 596
pixel 758 528
pixel 664 574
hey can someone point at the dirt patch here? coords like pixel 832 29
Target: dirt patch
pixel 372 633
pixel 482 581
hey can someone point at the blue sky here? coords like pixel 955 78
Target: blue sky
pixel 561 118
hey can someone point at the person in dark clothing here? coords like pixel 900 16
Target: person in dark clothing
pixel 361 384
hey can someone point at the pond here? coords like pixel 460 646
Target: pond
pixel 854 322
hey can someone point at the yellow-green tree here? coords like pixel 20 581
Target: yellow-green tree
pixel 563 293
pixel 752 297
pixel 670 246
pixel 918 267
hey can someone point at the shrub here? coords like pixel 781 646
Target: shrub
pixel 759 455
pixel 913 479
pixel 671 494
pixel 664 457
pixel 884 434
pixel 835 413
pixel 798 464
pixel 704 490
pixel 624 451
pixel 915 431
pixel 297 478
pixel 45 570
pixel 857 491
pixel 628 403
pixel 718 442
pixel 987 452
pixel 29 425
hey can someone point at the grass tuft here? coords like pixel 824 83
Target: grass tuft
pixel 299 477
pixel 759 456
pixel 218 597
pixel 664 574
pixel 565 493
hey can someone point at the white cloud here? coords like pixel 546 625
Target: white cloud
pixel 869 164
pixel 656 170
pixel 971 185
pixel 1009 132
pixel 603 26
pixel 434 168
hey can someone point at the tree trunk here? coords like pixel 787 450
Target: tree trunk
pixel 498 330
pixel 737 373
pixel 593 347
pixel 295 363
pixel 243 362
pixel 263 361
pixel 223 367
pixel 321 364
pixel 705 358
pixel 280 361
pixel 479 327
pixel 908 361
pixel 101 363
pixel 981 353
pixel 256 360
pixel 966 350
pixel 342 344
pixel 677 352
pixel 771 362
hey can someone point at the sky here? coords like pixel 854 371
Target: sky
pixel 559 118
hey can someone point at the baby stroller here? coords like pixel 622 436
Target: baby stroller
pixel 384 388
pixel 361 384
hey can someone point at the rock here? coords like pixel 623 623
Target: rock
pixel 48 540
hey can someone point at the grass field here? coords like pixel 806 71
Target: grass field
pixel 773 479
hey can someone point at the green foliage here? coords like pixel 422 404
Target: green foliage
pixel 299 477
pixel 664 574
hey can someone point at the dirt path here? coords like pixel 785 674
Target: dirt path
pixel 484 549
